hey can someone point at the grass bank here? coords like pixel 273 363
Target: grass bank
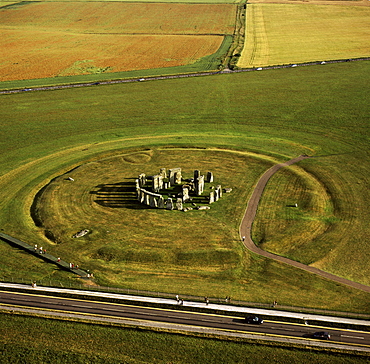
pixel 79 342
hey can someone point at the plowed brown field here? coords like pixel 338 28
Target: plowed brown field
pixel 51 39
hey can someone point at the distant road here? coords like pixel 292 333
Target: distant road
pixel 154 78
pixel 246 226
pixel 112 311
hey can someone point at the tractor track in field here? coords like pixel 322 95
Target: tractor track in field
pixel 246 228
pixel 165 77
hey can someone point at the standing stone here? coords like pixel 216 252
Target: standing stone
pixel 199 185
pixel 142 195
pixel 209 177
pixel 169 204
pixel 157 183
pixel 163 172
pixel 217 194
pixel 137 189
pixel 178 177
pixel 175 176
pixel 219 190
pixel 142 180
pixel 185 193
pixel 153 201
pixel 179 204
pixel 161 202
pixel 211 197
pixel 196 174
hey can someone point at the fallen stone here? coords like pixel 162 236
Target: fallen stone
pixel 81 233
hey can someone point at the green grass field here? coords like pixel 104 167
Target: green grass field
pixel 236 125
pixel 278 114
pixel 84 343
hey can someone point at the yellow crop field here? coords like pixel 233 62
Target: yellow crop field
pixel 293 33
pixel 55 39
pixel 57 54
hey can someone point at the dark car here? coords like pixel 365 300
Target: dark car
pixel 323 335
pixel 253 320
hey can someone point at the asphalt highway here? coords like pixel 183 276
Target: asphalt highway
pixel 176 316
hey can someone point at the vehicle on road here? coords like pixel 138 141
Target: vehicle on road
pixel 322 335
pixel 255 320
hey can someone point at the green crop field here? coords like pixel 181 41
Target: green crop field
pixel 249 121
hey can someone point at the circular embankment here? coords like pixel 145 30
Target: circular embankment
pixel 246 226
pixel 108 208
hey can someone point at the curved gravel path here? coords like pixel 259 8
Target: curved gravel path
pixel 246 225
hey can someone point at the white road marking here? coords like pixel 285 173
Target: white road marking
pixel 353 337
pixel 207 320
pixel 83 306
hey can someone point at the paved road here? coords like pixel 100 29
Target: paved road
pixel 154 78
pixel 229 323
pixel 250 213
pixel 189 303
